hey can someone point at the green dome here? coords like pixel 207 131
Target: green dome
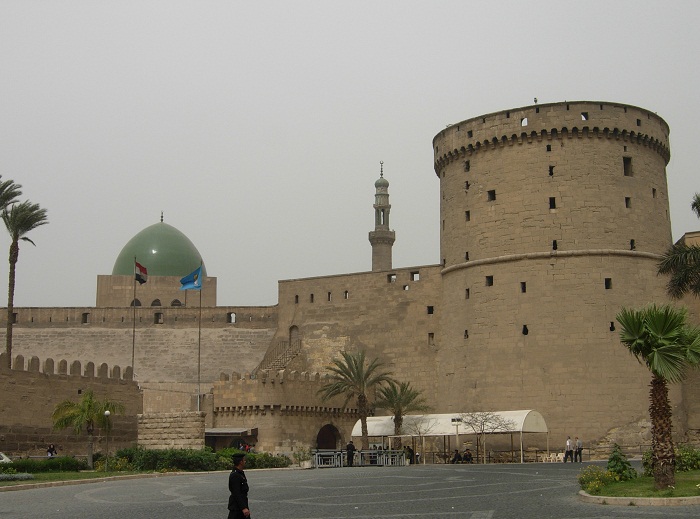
pixel 162 249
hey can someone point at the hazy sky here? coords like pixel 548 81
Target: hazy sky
pixel 258 127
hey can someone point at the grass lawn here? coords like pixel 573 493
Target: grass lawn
pixel 45 477
pixel 686 486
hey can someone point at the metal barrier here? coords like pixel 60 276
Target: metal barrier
pixel 376 458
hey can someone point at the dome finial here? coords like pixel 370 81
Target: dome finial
pixel 381 169
pixel 161 217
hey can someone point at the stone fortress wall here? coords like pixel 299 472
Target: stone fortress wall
pixel 291 398
pixel 553 217
pixel 508 320
pixel 30 391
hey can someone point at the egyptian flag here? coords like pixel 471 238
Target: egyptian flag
pixel 141 273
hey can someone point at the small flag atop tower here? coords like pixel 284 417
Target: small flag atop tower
pixel 140 272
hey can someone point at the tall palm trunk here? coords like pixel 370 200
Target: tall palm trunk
pixel 363 409
pixel 663 456
pixel 14 255
pixel 398 423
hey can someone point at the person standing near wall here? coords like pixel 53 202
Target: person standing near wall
pixel 238 486
pixel 569 451
pixel 350 449
pixel 579 451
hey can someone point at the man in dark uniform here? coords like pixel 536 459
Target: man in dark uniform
pixel 350 448
pixel 238 486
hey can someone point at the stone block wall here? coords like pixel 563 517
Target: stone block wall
pixel 284 406
pixel 183 430
pixel 29 393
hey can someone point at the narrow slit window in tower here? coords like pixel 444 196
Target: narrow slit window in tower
pixel 330 296
pixel 612 326
pixel 86 318
pixel 346 295
pixel 633 245
pixel 470 134
pixel 296 299
pixel 523 287
pixel 466 256
pixel 466 293
pixel 431 339
pixel 489 281
pixel 507 115
pixel 549 147
pixel 608 283
pixel 431 310
pixel 311 298
pixel 466 334
pixel 467 186
pixel 551 171
pixel 639 122
pixel 653 192
pixel 467 166
pixel 491 195
pixel 628 202
pixel 554 245
pixel 525 330
pixel 467 216
pixel 627 166
pixel 552 202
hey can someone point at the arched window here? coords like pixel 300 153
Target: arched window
pixel 176 302
pixel 135 302
pixel 231 318
pixel 156 302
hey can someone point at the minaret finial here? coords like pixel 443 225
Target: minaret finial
pixel 161 217
pixel 381 168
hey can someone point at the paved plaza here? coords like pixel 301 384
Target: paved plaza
pixel 530 491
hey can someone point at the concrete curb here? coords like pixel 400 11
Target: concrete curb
pixel 638 501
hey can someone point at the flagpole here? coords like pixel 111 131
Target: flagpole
pixel 133 330
pixel 199 349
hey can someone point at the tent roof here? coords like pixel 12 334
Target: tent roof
pixel 526 421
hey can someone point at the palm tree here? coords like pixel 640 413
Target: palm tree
pixel 88 412
pixel 659 337
pixel 682 262
pixel 353 377
pixel 400 399
pixel 9 192
pixel 19 220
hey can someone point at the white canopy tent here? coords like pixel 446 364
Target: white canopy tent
pixel 523 421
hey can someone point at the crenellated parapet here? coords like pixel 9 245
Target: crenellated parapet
pixel 74 369
pixel 551 122
pixel 281 392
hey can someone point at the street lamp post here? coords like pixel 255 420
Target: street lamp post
pixel 107 413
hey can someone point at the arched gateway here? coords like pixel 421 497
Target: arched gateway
pixel 328 437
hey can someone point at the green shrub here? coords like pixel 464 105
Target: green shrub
pixel 169 459
pixel 264 460
pixel 687 458
pixel 56 464
pixel 114 465
pixel 593 478
pixel 7 468
pixel 619 466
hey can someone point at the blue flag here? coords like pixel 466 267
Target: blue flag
pixel 192 281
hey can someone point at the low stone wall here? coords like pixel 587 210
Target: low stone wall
pixel 30 392
pixel 171 430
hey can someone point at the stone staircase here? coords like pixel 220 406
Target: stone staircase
pixel 279 356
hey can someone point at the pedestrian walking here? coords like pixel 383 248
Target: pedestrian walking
pixel 350 450
pixel 238 486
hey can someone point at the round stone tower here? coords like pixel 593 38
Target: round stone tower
pixel 552 218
